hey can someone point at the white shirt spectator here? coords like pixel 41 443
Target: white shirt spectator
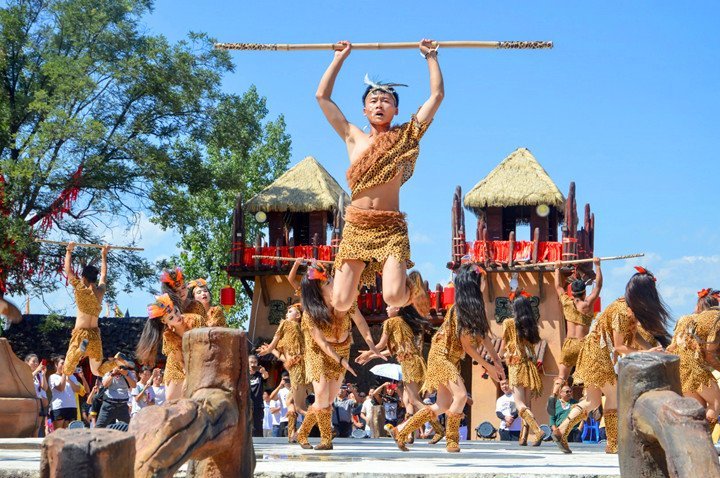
pixel 506 405
pixel 146 400
pixel 283 396
pixel 270 419
pixel 367 409
pixel 159 393
pixel 65 398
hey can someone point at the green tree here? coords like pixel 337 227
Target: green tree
pixel 244 154
pixel 100 121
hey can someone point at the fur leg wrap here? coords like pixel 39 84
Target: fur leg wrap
pixel 415 423
pixel 307 425
pixel 292 425
pixel 452 431
pixel 324 420
pixel 533 426
pixel 611 430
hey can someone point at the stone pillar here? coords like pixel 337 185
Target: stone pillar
pixel 660 433
pixel 211 425
pixel 85 453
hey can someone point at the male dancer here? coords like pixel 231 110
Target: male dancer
pixel 375 238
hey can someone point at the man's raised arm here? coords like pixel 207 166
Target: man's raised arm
pixel 437 88
pixel 324 92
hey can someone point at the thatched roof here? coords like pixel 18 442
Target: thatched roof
pixel 518 180
pixel 305 187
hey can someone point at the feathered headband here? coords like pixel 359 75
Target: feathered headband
pixel 176 283
pixel 384 87
pixel 642 270
pixel 162 305
pixel 197 283
pixel 513 295
pixel 704 293
pixel 466 259
pixel 316 272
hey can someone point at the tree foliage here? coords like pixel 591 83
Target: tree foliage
pixel 100 120
pixel 243 157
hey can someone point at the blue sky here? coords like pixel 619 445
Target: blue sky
pixel 625 105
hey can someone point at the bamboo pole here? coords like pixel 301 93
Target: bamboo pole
pixel 290 259
pixel 502 45
pixel 95 246
pixel 580 261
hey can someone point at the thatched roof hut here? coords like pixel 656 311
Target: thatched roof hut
pixel 518 180
pixel 306 187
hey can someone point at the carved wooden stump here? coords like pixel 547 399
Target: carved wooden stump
pixel 84 453
pixel 19 406
pixel 660 433
pixel 211 425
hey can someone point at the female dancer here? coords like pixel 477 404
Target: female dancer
pixel 401 333
pixel 327 348
pixel 520 335
pixel 85 339
pixel 634 323
pixel 288 346
pixel 198 290
pixel 696 342
pixel 172 283
pixel 464 328
pixel 167 325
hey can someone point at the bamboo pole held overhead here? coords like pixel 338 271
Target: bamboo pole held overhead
pixel 579 261
pixel 500 45
pixel 94 246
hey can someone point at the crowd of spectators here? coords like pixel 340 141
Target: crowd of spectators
pixel 68 400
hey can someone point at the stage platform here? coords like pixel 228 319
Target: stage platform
pixel 356 458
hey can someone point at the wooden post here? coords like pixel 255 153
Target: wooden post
pixel 511 251
pixel 315 242
pixel 87 453
pixel 258 251
pixel 438 298
pixel 212 424
pixel 536 245
pixel 278 264
pixel 660 433
pixel 487 253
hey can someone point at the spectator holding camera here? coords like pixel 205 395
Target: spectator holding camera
pixel 39 373
pixel 117 383
pixel 142 393
pixel 258 375
pixel 157 386
pixel 387 395
pixel 343 407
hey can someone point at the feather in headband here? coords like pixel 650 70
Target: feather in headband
pixel 704 293
pixel 197 283
pixel 642 270
pixel 162 305
pixel 176 283
pixel 386 87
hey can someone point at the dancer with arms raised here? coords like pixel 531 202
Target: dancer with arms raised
pixel 375 237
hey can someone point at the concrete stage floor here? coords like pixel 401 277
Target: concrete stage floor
pixel 354 458
pixel 357 458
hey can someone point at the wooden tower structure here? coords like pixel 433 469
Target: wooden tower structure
pixel 517 191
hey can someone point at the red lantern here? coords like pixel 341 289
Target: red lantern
pixel 227 297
